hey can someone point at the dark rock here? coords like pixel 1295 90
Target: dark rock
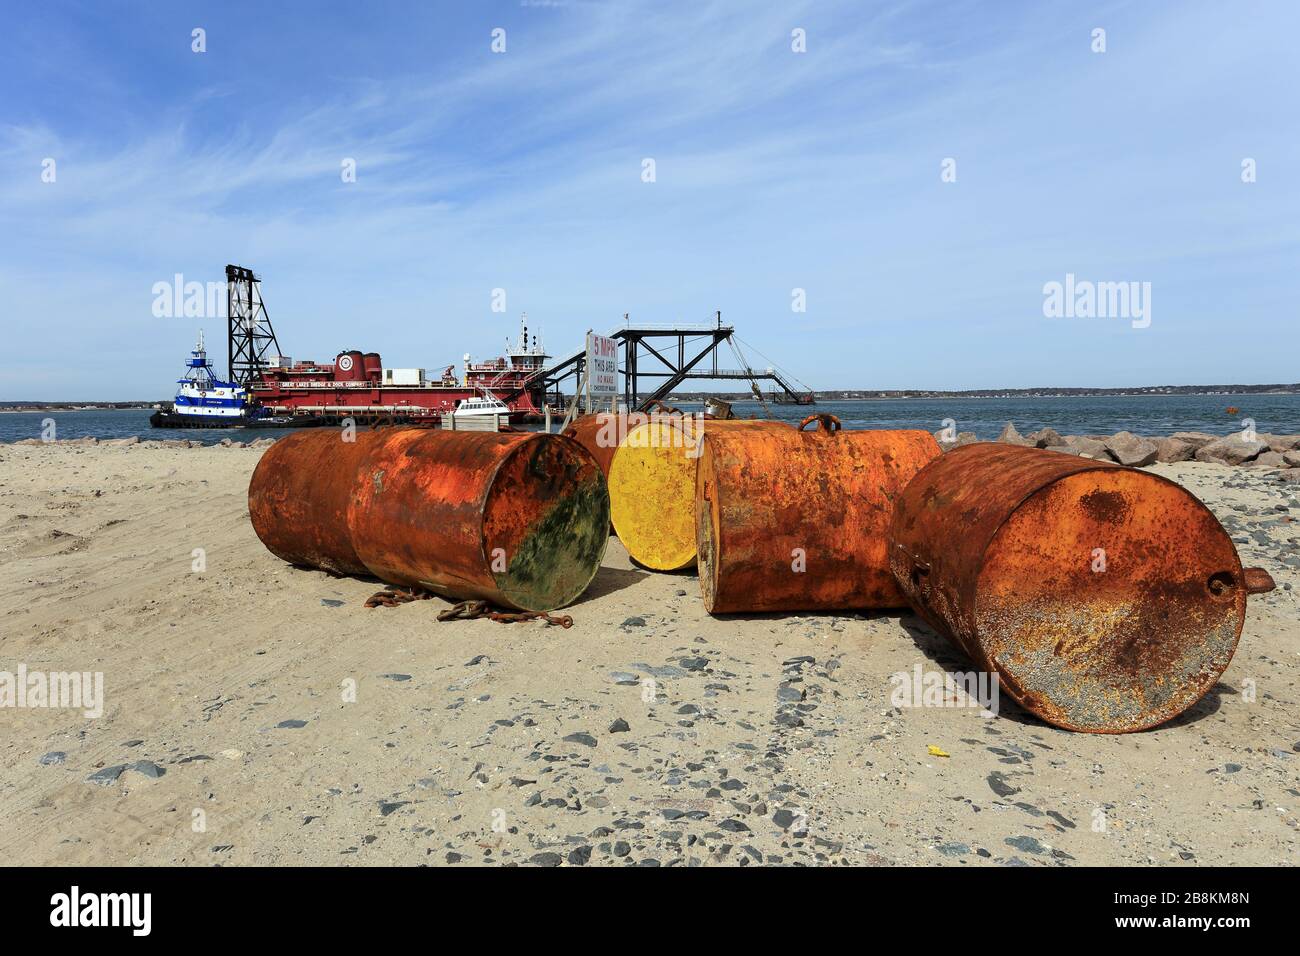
pixel 1045 438
pixel 291 724
pixel 998 783
pixel 1026 844
pixel 546 859
pixel 106 776
pixel 587 740
pixel 53 758
pixel 579 855
pixel 619 726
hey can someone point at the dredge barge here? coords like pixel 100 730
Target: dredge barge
pixel 358 385
pixel 268 389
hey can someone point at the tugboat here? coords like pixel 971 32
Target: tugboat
pixel 203 401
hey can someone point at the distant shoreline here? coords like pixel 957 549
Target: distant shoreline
pixel 80 407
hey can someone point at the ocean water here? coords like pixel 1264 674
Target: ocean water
pixel 1078 415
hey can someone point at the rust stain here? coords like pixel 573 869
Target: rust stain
pixel 1105 506
pixel 1106 599
pixel 797 520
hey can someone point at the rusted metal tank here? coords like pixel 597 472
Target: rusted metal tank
pixel 1105 598
pixel 797 520
pixel 299 494
pixel 600 434
pixel 652 485
pixel 518 519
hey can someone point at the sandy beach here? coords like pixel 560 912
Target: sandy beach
pixel 256 713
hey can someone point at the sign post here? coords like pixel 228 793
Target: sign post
pixel 602 369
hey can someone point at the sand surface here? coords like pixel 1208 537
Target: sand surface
pixel 767 739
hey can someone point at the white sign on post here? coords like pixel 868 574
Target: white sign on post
pixel 602 366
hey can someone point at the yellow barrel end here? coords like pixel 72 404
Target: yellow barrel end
pixel 652 494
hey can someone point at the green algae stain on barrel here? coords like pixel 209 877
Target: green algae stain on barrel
pixel 546 523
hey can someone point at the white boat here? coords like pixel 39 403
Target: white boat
pixel 481 405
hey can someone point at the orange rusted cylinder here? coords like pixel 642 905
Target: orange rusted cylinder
pixel 299 494
pixel 518 519
pixel 1105 598
pixel 600 433
pixel 791 520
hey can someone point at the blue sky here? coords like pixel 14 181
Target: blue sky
pixel 774 171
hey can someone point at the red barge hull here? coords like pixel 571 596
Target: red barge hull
pixel 357 385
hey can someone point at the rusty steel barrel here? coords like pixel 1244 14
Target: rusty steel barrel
pixel 652 485
pixel 797 521
pixel 518 519
pixel 600 433
pixel 298 499
pixel 1106 599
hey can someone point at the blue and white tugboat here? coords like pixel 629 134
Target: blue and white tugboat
pixel 203 401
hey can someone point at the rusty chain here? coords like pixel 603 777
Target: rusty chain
pixel 393 597
pixel 465 610
pixel 470 610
